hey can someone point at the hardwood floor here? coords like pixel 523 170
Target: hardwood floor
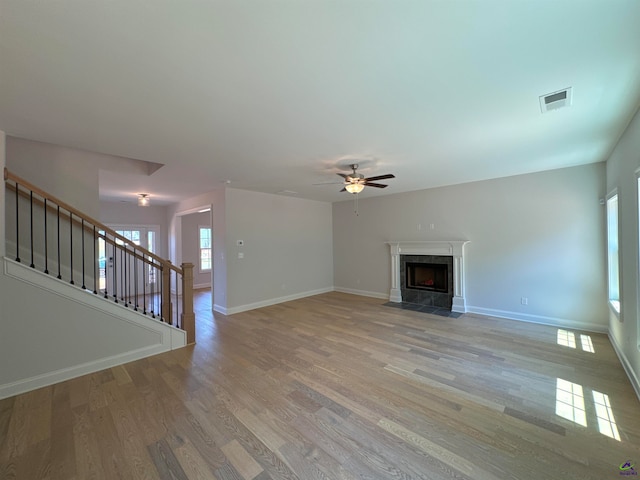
pixel 336 387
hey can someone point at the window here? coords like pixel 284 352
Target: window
pixel 133 235
pixel 151 246
pixel 136 235
pixel 612 253
pixel 205 248
pixel 144 236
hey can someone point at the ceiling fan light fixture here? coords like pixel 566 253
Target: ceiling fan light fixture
pixel 143 199
pixel 354 187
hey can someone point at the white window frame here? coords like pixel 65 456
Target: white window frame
pixel 614 286
pixel 638 247
pixel 200 248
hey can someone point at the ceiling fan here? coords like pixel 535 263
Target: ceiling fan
pixel 355 182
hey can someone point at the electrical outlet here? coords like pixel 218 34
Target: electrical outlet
pixel 524 301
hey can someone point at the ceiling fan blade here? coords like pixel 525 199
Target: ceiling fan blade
pixel 343 175
pixel 343 189
pixel 381 177
pixel 376 185
pixel 329 183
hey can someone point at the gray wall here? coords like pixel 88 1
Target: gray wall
pixel 621 174
pixel 52 331
pixel 538 236
pixel 191 245
pixel 287 248
pixel 69 174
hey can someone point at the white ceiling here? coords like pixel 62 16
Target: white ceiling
pixel 274 94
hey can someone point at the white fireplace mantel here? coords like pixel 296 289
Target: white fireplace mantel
pixel 451 248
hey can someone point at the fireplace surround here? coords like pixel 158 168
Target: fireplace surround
pixel 437 251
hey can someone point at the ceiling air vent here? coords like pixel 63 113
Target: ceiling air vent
pixel 555 100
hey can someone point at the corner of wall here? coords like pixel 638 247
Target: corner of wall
pixel 621 171
pixel 626 364
pixel 3 162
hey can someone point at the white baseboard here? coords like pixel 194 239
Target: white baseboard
pixel 522 317
pixel 552 321
pixel 269 302
pixel 219 309
pixel 49 378
pixel 199 286
pixel 363 293
pixel 626 364
pixel 168 337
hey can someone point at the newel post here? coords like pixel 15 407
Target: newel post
pixel 166 294
pixel 188 320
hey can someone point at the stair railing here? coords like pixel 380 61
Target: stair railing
pixel 60 240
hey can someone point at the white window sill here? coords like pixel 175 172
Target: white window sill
pixel 615 307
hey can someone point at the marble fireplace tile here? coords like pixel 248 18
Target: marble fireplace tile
pixel 441 312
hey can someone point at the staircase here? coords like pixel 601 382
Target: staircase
pixel 63 253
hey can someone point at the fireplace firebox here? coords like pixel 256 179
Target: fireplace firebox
pixel 427 280
pixel 427 276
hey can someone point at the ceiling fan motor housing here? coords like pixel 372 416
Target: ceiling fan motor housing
pixel 355 182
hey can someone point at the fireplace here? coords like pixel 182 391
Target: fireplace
pixel 427 276
pixel 449 253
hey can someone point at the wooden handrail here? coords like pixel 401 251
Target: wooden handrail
pixel 11 176
pixel 88 228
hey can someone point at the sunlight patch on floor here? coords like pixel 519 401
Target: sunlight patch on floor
pixel 604 413
pixel 570 402
pixel 587 344
pixel 566 339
